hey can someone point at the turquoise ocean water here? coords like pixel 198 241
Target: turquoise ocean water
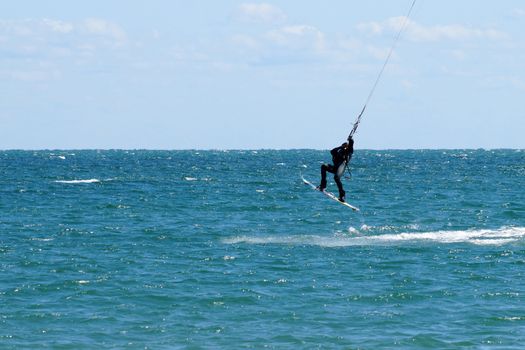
pixel 228 249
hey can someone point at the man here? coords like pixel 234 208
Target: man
pixel 340 157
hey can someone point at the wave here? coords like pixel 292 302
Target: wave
pixel 188 178
pixel 89 181
pixel 499 236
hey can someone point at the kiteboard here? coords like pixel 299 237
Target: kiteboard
pixel 329 195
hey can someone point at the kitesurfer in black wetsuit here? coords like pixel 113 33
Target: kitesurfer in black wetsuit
pixel 340 157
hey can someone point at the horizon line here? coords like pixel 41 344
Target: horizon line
pixel 253 149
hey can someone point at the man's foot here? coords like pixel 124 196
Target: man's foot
pixel 319 188
pixel 342 197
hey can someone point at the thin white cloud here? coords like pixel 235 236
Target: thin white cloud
pixel 245 42
pixel 298 37
pixel 43 28
pixel 298 43
pixel 459 55
pixel 15 28
pixel 34 75
pixel 517 12
pixel 283 45
pixel 47 42
pixel 503 81
pixel 408 84
pixel 58 26
pixel 417 32
pixel 260 12
pixel 379 53
pixel 40 72
pixel 102 27
pixel 189 54
pixel 32 27
pixel 155 34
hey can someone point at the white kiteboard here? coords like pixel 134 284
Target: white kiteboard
pixel 329 195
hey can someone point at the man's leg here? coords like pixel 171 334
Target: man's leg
pixel 340 188
pixel 324 169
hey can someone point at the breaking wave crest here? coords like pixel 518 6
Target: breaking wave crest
pixel 88 181
pixel 499 236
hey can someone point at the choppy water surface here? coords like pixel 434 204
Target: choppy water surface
pixel 215 249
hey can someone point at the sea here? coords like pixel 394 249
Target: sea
pixel 216 249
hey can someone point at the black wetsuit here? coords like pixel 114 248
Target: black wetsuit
pixel 339 157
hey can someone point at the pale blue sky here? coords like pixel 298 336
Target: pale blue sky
pixel 278 74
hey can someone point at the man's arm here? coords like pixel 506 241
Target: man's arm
pixel 334 152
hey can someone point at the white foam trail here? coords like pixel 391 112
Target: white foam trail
pixel 499 236
pixel 89 181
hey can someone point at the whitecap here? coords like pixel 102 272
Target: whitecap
pixel 88 181
pixel 353 230
pixel 511 318
pixel 42 239
pixel 501 236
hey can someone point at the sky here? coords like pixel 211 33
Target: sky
pixel 233 74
